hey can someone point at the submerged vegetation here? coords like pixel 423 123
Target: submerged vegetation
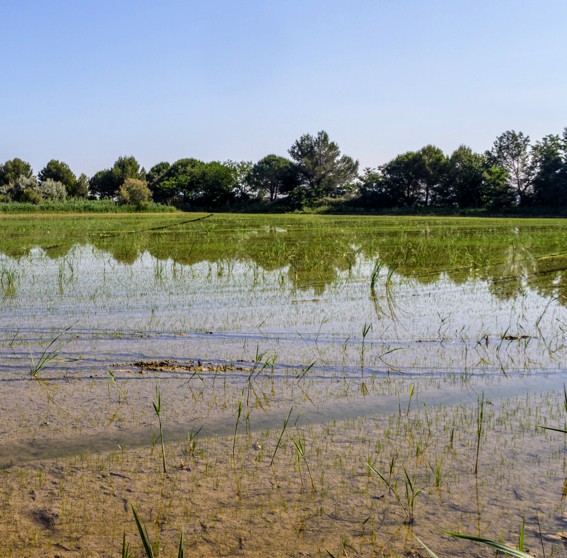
pixel 510 255
pixel 298 384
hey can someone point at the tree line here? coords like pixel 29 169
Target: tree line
pixel 514 173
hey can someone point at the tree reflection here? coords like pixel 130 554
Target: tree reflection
pixel 314 252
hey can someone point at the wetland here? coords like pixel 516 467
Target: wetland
pixel 284 385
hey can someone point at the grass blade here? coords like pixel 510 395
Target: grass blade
pixel 281 436
pixel 562 430
pixel 493 544
pixel 143 535
pixel 428 550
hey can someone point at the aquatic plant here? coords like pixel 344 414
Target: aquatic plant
pixel 238 415
pixel 300 447
pixel 192 441
pixel 479 427
pixel 49 353
pixel 146 542
pixel 407 499
pixel 8 281
pixel 496 545
pixel 278 443
pixel 157 408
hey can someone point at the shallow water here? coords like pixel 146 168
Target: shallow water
pixel 315 298
pixel 240 321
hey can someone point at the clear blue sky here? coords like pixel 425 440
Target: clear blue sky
pixel 85 81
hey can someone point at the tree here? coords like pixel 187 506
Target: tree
pixel 106 183
pixel 431 171
pixel 193 182
pixel 173 185
pixel 241 171
pixel 465 177
pixel 157 172
pixel 401 180
pixel 101 184
pixel 11 170
pixel 21 189
pixel 550 171
pixel 511 151
pixel 124 168
pixel 273 176
pixel 213 184
pixel 497 193
pixel 59 172
pixel 324 171
pixel 375 191
pixel 28 189
pixel 80 189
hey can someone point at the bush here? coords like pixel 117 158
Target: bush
pixel 51 190
pixel 135 192
pixel 29 195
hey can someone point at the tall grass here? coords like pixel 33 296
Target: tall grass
pixel 49 353
pixel 82 206
pixel 157 409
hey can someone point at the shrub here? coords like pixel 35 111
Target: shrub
pixel 135 192
pixel 51 190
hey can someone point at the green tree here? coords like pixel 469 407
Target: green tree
pixel 465 177
pixel 241 171
pixel 124 168
pixel 273 176
pixel 497 193
pixel 22 189
pixel 401 180
pixel 173 186
pixel 190 182
pixel 213 185
pixel 324 171
pixel 80 189
pixel 550 171
pixel 512 152
pixel 375 190
pixel 106 183
pixel 432 168
pixel 59 172
pixel 156 173
pixel 13 169
pixel 102 185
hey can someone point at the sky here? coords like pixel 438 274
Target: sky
pixel 87 81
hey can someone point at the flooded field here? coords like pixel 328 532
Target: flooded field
pixel 282 385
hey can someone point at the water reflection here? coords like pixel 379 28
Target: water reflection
pixel 315 254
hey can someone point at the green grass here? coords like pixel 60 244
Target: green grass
pixel 81 206
pixel 157 409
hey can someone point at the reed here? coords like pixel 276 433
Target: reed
pixel 479 429
pixel 496 545
pixel 146 542
pixel 300 448
pixel 407 500
pixel 285 423
pixel 49 353
pixel 9 279
pixel 157 409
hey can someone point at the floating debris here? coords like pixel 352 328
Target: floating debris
pixel 176 366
